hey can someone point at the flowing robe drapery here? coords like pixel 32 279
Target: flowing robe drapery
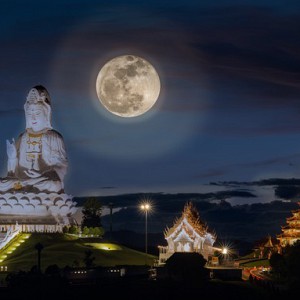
pixel 44 153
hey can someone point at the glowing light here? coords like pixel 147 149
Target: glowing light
pixel 123 89
pixel 104 246
pixel 14 246
pixel 226 248
pixel 145 206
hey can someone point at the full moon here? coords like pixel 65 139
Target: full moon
pixel 128 86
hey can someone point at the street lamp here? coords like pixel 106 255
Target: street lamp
pixel 224 251
pixel 225 254
pixel 145 207
pixel 110 205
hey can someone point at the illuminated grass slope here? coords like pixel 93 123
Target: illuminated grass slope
pixel 249 261
pixel 12 246
pixel 257 263
pixel 64 250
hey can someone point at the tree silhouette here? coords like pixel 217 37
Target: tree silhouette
pixel 278 264
pixel 91 211
pixel 292 258
pixel 53 270
pixel 187 267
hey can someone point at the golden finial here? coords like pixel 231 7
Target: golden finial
pixel 18 185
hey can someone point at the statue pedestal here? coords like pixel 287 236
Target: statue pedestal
pixel 36 212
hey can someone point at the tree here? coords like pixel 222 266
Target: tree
pixel 65 229
pixel 292 258
pixel 187 267
pixel 74 229
pixel 278 264
pixel 85 230
pixel 98 231
pixel 52 270
pixel 92 210
pixel 76 263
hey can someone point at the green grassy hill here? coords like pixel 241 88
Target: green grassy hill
pixel 250 261
pixel 65 250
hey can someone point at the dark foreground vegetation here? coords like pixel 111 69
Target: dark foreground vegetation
pixel 286 267
pixel 183 277
pixel 136 288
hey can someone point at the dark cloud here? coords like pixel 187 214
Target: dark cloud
pixel 212 173
pixel 226 169
pixel 244 222
pixel 247 53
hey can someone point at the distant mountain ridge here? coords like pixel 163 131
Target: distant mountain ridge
pixel 285 189
pixel 262 208
pixel 129 199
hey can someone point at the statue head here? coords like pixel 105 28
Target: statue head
pixel 38 109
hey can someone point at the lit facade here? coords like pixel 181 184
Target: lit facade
pixel 188 234
pixel 290 232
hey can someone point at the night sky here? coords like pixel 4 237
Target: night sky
pixel 229 107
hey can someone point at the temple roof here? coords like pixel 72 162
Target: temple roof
pixel 290 226
pixel 288 235
pixel 269 243
pixel 191 223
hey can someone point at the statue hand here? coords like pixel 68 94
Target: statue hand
pixel 11 149
pixel 32 173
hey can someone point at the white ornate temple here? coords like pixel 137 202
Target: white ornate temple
pixel 32 194
pixel 188 234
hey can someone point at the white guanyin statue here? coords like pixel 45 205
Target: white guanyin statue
pixel 37 161
pixel 32 193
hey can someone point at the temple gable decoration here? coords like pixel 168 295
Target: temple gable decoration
pixel 188 234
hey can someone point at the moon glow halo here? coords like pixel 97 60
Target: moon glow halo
pixel 128 86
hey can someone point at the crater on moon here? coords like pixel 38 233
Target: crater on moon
pixel 128 86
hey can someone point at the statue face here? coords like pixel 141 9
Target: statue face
pixel 36 118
